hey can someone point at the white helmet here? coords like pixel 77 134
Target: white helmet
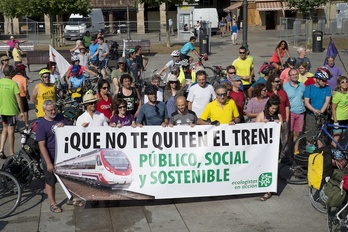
pixel 175 53
pixel 75 58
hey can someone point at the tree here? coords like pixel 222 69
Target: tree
pixel 167 2
pixel 18 8
pixel 307 7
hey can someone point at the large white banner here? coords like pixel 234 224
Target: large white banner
pixel 155 162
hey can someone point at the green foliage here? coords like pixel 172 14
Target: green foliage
pixel 17 8
pixel 306 6
pixel 159 2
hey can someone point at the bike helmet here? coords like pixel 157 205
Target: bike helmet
pixel 175 53
pixel 75 58
pixel 185 62
pixel 291 61
pixel 151 89
pixel 266 69
pixel 44 71
pixel 75 69
pixel 323 73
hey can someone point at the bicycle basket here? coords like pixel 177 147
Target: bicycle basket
pixel 21 170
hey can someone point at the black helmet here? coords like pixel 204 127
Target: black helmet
pixel 267 69
pixel 291 61
pixel 151 89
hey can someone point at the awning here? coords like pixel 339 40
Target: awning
pixel 232 7
pixel 269 6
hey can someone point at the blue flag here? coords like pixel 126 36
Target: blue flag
pixel 331 50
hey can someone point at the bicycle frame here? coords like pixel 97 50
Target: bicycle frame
pixel 323 129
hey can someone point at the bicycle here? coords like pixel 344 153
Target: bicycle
pixel 215 74
pixel 10 193
pixel 319 139
pixel 26 164
pixel 296 173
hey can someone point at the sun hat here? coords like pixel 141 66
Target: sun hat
pixel 121 60
pixel 4 58
pixel 236 78
pixel 89 97
pixel 11 37
pixel 172 78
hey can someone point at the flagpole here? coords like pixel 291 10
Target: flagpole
pixel 340 58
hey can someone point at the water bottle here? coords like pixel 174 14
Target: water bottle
pixel 24 137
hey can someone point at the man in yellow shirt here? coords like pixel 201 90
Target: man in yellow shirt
pixel 220 111
pixel 244 68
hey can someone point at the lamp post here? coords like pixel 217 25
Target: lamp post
pixel 128 29
pixel 245 23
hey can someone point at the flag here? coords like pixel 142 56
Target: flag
pixel 62 63
pixel 331 50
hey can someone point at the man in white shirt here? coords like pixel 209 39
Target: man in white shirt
pixel 200 94
pixel 91 117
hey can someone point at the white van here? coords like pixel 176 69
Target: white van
pixel 207 14
pixel 78 25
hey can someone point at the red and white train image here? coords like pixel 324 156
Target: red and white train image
pixel 106 167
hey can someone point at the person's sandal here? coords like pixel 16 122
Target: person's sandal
pixel 2 155
pixel 55 208
pixel 266 196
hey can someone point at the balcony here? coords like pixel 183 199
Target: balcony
pixel 113 4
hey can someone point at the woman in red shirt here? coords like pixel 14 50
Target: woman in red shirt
pixel 104 102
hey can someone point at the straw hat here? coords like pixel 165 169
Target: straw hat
pixel 3 58
pixel 172 78
pixel 89 97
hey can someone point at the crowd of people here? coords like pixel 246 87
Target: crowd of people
pixel 286 92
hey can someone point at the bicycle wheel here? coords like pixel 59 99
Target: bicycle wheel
pixel 22 167
pixel 293 174
pixel 210 74
pixel 10 193
pixel 314 197
pixel 306 139
pixel 333 223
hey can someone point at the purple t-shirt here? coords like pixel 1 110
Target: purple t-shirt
pixel 255 106
pixel 44 131
pixel 126 121
pixel 335 71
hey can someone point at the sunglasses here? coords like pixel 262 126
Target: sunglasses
pixel 90 103
pixel 6 60
pixel 45 76
pixel 241 52
pixel 122 107
pixel 221 94
pixel 276 81
pixel 232 73
pixel 345 82
pixel 105 88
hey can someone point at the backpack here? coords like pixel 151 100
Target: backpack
pixel 332 193
pixel 319 167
